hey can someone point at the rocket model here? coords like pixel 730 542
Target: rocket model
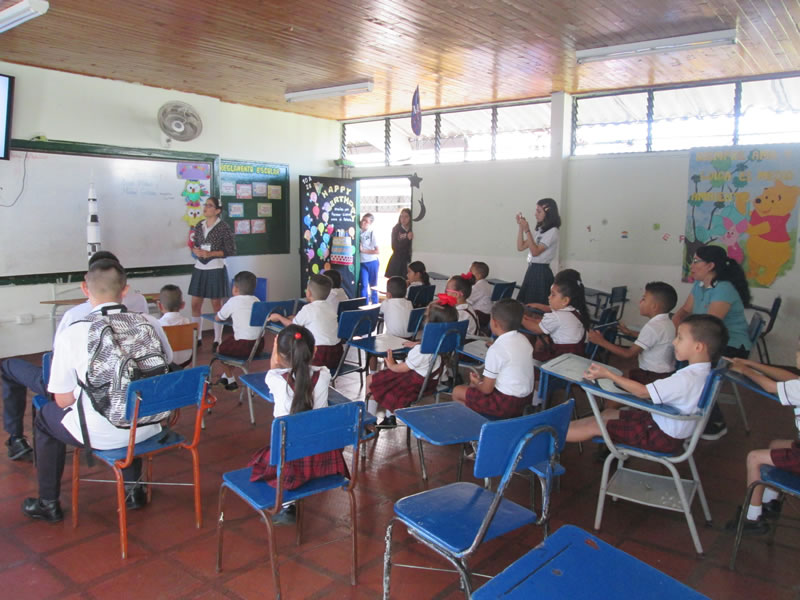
pixel 92 224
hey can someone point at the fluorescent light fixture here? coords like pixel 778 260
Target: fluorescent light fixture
pixel 682 42
pixel 21 12
pixel 356 87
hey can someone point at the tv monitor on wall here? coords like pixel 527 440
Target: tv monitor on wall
pixel 6 102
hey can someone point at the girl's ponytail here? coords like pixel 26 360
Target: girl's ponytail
pixel 297 344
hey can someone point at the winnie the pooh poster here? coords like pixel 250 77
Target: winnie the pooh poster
pixel 744 199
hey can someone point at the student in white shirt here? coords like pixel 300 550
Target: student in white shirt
pixel 321 320
pixel 170 303
pixel 396 309
pixel 239 309
pixel 57 424
pixel 506 387
pixel 461 288
pixel 481 297
pixel 337 294
pixel 542 247
pixel 653 345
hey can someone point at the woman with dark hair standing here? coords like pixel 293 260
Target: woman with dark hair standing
pixel 542 247
pixel 720 289
pixel 401 245
pixel 213 241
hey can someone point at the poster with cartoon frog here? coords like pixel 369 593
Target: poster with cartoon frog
pixel 744 199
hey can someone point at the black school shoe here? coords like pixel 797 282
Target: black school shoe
pixel 18 448
pixel 46 510
pixel 757 527
pixel 771 510
pixel 286 516
pixel 388 423
pixel 135 497
pixel 714 431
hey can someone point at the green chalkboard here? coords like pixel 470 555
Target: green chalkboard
pixel 255 203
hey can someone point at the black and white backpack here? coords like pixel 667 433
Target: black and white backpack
pixel 123 347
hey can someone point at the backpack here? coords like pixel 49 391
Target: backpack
pixel 123 347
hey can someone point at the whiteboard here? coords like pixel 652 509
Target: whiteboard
pixel 44 211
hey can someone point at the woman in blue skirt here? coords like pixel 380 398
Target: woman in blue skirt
pixel 212 242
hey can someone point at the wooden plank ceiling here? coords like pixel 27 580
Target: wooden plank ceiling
pixel 460 52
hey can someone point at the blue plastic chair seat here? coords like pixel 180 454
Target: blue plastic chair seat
pixel 540 469
pixel 431 514
pixel 599 440
pixel 233 360
pixel 785 481
pixel 261 495
pixel 153 444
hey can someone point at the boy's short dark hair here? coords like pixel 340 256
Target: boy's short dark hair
pixel 101 255
pixel 396 286
pixel 708 330
pixel 508 314
pixel 319 286
pixel 461 285
pixel 246 282
pixel 106 278
pixel 664 293
pixel 334 276
pixel 171 297
pixel 482 268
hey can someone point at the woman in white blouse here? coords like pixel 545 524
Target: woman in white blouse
pixel 542 247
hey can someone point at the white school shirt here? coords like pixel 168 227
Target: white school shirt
pixel 321 320
pixel 175 318
pixel 336 296
pixel 215 263
pixel 509 361
pixel 655 340
pixel 396 312
pixel 78 312
pixel 789 395
pixel 550 239
pixel 238 309
pixel 70 361
pixel 481 296
pixel 283 394
pixel 681 391
pixel 465 313
pixel 563 326
pixel 368 242
pixel 419 362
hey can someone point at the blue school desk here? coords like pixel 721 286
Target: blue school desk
pixel 569 368
pixel 745 382
pixel 572 563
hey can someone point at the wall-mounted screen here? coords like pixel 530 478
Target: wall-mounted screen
pixel 6 102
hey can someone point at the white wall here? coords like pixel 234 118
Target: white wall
pixel 471 208
pixel 75 108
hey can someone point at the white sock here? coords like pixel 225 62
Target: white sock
pixel 753 512
pixel 225 378
pixel 218 332
pixel 372 407
pixel 770 495
pixel 536 399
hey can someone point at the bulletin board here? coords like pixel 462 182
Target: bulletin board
pixel 143 204
pixel 255 203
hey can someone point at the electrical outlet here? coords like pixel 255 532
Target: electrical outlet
pixel 25 319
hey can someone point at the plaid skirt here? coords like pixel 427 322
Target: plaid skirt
pixel 637 428
pixel 210 283
pixel 398 390
pixel 536 285
pixel 646 377
pixel 328 356
pixel 550 351
pixel 297 472
pixel 497 404
pixel 238 348
pixel 787 459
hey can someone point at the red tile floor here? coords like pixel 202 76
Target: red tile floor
pixel 169 558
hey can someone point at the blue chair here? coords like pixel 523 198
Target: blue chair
pixel 666 492
pixel 754 329
pixel 147 397
pixel 772 313
pixel 295 437
pixel 415 319
pixel 352 304
pixel 354 324
pixel 261 289
pixel 258 318
pixel 503 290
pixel 783 482
pixel 601 300
pixel 454 520
pixel 40 400
pixel 421 295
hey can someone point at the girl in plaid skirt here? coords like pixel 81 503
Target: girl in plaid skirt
pixel 399 384
pixel 296 387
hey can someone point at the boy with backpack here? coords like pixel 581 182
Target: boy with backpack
pixel 77 377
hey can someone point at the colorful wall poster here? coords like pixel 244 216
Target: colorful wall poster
pixel 241 227
pixel 194 170
pixel 236 209
pixel 328 209
pixel 227 188
pixel 744 199
pixel 274 192
pixel 244 191
pixel 258 226
pixel 265 209
pixel 260 188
